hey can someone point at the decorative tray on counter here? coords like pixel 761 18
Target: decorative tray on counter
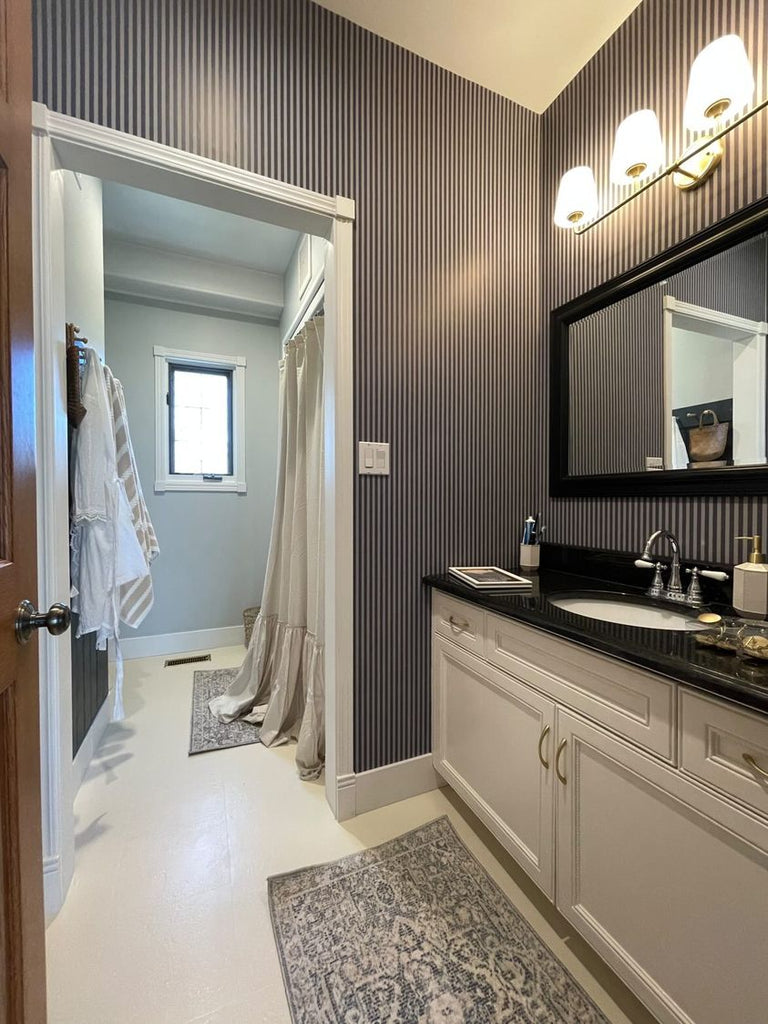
pixel 746 637
pixel 489 577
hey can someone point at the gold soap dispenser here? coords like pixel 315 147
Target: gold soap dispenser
pixel 750 582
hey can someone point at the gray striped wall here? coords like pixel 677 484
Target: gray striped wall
pixel 455 188
pixel 735 281
pixel 646 64
pixel 615 383
pixel 446 180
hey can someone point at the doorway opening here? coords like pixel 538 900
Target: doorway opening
pixel 186 309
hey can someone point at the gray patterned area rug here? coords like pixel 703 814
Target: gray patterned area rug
pixel 415 932
pixel 207 732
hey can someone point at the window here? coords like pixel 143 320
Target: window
pixel 200 411
pixel 200 419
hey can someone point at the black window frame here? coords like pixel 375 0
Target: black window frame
pixel 215 371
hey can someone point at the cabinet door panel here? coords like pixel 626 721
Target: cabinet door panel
pixel 487 732
pixel 638 705
pixel 668 882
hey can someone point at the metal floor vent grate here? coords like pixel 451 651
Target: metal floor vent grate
pixel 170 662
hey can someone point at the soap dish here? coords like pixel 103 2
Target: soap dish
pixel 724 635
pixel 753 641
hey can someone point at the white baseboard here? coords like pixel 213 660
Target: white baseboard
pixel 53 887
pixel 393 782
pixel 179 643
pixel 345 797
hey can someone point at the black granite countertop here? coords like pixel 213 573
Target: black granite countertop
pixel 671 653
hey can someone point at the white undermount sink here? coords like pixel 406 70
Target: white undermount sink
pixel 627 611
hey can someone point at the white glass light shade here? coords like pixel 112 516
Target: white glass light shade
pixel 638 150
pixel 576 201
pixel 721 84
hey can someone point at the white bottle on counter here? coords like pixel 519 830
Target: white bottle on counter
pixel 750 582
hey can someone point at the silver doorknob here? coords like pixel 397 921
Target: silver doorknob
pixel 56 620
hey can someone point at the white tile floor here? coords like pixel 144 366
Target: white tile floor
pixel 167 920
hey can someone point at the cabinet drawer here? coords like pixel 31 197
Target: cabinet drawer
pixel 715 738
pixel 455 620
pixel 632 702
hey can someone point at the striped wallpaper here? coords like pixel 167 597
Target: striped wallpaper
pixel 646 64
pixel 454 188
pixel 734 281
pixel 615 382
pixel 447 312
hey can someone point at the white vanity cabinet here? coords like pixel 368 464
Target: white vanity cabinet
pixel 665 874
pixel 668 882
pixel 493 741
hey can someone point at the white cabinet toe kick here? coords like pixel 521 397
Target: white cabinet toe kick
pixel 640 807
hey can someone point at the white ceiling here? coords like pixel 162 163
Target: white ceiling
pixel 527 50
pixel 146 218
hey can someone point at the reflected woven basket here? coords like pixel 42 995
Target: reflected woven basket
pixel 249 618
pixel 707 441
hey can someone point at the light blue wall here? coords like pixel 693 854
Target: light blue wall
pixel 213 546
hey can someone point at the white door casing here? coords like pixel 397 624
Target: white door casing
pixel 61 142
pixel 747 375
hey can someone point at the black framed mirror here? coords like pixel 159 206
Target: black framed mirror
pixel 659 378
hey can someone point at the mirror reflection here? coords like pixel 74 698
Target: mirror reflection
pixel 674 376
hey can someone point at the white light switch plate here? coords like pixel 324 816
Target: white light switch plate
pixel 373 458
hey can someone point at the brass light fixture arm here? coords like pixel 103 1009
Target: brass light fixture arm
pixel 673 168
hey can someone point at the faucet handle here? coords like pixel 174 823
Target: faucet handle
pixel 694 595
pixel 657 586
pixel 712 574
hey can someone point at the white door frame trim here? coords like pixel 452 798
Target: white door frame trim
pixel 61 142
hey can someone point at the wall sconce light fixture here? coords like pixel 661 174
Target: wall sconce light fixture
pixel 720 86
pixel 638 151
pixel 576 197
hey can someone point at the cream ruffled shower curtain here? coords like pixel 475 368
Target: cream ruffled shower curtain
pixel 281 681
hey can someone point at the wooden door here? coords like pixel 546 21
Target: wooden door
pixel 493 743
pixel 665 880
pixel 22 961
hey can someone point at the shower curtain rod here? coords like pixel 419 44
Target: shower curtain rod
pixel 311 307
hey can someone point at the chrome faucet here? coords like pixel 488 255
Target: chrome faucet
pixel 674 589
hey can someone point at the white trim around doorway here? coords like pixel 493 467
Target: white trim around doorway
pixel 66 143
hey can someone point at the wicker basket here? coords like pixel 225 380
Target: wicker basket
pixel 249 618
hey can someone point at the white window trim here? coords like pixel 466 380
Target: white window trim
pixel 164 481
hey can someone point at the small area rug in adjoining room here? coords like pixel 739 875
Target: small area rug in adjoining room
pixel 415 931
pixel 207 732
